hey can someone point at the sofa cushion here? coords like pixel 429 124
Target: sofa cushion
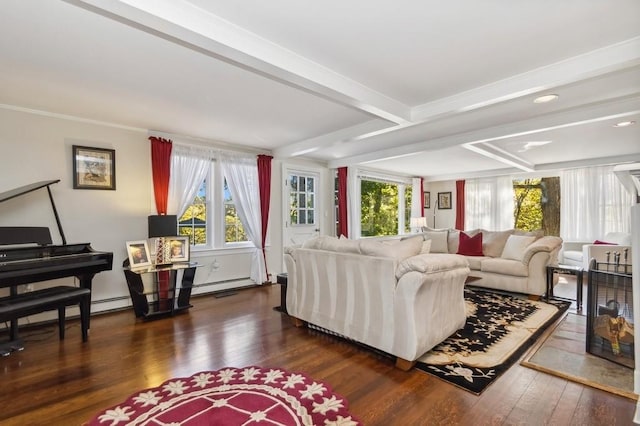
pixel 426 247
pixel 505 267
pixel 516 246
pixel 400 250
pixel 620 238
pixel 470 246
pixel 538 233
pixel 438 239
pixel 493 242
pixel 475 262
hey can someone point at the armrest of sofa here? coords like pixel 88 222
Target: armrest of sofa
pixel 599 253
pixel 430 263
pixel 547 244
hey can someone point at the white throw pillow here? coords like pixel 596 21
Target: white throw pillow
pixel 438 239
pixel 426 247
pixel 516 246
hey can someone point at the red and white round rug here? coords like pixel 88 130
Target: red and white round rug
pixel 233 396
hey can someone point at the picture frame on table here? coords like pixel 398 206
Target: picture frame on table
pixel 444 200
pixel 178 248
pixel 138 252
pixel 427 199
pixel 93 168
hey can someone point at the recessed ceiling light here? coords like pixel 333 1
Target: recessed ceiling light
pixel 545 99
pixel 624 124
pixel 533 144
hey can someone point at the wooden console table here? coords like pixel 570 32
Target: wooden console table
pixel 166 298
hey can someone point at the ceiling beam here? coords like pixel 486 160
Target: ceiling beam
pixel 620 108
pixel 185 24
pixel 602 61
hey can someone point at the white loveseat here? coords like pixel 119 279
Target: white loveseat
pixel 383 294
pixel 511 260
pixel 581 253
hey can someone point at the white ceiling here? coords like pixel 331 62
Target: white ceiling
pixel 426 88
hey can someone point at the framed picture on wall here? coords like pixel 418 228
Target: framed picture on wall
pixel 427 200
pixel 93 168
pixel 444 200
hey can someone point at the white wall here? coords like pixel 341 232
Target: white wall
pixel 36 147
pixel 439 218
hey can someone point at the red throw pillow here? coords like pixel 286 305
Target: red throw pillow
pixel 470 246
pixel 604 243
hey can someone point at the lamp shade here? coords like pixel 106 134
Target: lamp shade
pixel 418 222
pixel 163 226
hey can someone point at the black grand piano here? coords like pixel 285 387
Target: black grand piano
pixel 27 255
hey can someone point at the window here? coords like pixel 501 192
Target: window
pixel 385 207
pixel 302 199
pixel 234 232
pixel 208 227
pixel 193 222
pixel 537 205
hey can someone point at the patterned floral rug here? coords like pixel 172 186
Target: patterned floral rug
pixel 499 328
pixel 233 396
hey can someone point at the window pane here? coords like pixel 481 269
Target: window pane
pixel 310 201
pixel 379 208
pixel 193 222
pixel 302 198
pixel 302 183
pixel 294 183
pixel 310 219
pixel 234 231
pixel 310 181
pixel 303 216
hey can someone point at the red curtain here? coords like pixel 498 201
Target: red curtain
pixel 460 205
pixel 161 170
pixel 264 183
pixel 343 223
pixel 422 197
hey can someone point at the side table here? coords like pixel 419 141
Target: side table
pixel 282 280
pixel 569 270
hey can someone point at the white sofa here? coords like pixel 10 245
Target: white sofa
pixel 511 260
pixel 581 253
pixel 383 294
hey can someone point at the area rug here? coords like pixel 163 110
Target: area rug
pixel 562 353
pixel 233 396
pixel 500 327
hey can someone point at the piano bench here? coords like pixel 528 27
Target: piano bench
pixel 48 299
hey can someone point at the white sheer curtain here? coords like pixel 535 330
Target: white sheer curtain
pixel 353 200
pixel 241 172
pixel 189 167
pixel 416 198
pixel 592 203
pixel 489 203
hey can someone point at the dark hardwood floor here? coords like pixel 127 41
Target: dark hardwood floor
pixel 65 383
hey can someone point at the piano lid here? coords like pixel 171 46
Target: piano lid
pixel 33 187
pixel 26 189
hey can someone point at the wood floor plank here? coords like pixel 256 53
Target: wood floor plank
pixel 65 383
